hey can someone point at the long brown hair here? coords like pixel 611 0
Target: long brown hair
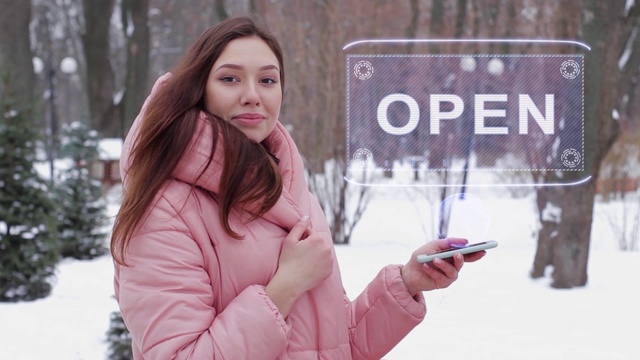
pixel 249 175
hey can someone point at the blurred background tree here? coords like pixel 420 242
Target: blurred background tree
pixel 29 248
pixel 81 206
pixel 121 47
pixel 118 339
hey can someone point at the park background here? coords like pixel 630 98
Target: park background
pixel 566 261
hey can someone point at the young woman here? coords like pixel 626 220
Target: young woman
pixel 221 251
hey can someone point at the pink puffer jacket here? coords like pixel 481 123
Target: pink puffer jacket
pixel 193 292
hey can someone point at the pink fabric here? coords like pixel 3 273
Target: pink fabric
pixel 193 292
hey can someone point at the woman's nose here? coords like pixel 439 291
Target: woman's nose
pixel 250 95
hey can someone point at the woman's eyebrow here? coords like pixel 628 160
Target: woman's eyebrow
pixel 269 67
pixel 240 67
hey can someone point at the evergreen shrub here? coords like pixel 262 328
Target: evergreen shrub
pixel 29 249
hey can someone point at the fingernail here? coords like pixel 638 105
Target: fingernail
pixel 304 218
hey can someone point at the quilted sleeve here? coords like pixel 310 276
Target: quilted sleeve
pixel 166 298
pixel 383 315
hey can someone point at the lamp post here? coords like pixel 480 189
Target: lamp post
pixel 53 120
pixel 468 65
pixel 495 67
pixel 68 66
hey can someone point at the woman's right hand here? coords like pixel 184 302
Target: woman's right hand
pixel 305 261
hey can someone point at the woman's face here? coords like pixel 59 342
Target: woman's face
pixel 244 89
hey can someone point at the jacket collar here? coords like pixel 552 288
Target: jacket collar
pixel 286 212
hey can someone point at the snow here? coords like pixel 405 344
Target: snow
pixel 552 213
pixel 110 148
pixel 43 168
pixel 494 311
pixel 615 115
pixel 38 65
pixel 626 54
pixel 117 97
pixel 530 13
pixel 627 6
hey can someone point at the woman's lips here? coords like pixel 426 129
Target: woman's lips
pixel 249 119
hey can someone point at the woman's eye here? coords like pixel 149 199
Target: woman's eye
pixel 269 80
pixel 228 79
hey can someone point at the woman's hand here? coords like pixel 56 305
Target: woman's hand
pixel 305 261
pixel 439 273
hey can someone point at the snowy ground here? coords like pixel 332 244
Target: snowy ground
pixel 494 311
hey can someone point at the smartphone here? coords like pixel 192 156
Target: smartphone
pixel 457 249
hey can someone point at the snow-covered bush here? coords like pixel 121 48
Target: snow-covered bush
pixel 28 246
pixel 81 206
pixel 118 339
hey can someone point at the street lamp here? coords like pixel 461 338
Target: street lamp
pixel 495 67
pixel 68 66
pixel 468 64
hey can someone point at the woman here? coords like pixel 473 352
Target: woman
pixel 221 251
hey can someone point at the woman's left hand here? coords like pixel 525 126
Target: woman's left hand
pixel 439 273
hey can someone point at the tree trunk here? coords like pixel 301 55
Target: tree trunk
pixel 221 11
pixel 564 242
pixel 100 76
pixel 571 253
pixel 546 198
pixel 138 45
pixel 15 51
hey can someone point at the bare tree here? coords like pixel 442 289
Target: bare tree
pixel 15 50
pixel 100 76
pixel 135 16
pixel 611 29
pixel 343 203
